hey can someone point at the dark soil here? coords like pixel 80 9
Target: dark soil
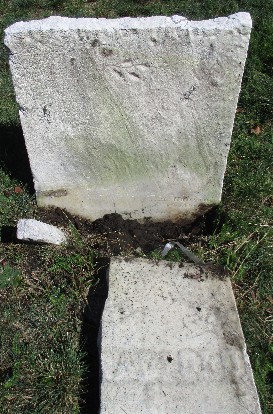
pixel 113 235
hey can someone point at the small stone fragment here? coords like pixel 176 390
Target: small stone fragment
pixel 37 231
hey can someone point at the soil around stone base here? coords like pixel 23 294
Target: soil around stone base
pixel 113 235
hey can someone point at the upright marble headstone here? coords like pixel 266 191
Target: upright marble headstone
pixel 131 115
pixel 171 342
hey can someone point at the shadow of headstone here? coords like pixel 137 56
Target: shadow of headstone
pixel 13 155
pixel 90 397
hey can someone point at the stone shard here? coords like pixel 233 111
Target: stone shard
pixel 171 342
pixel 37 231
pixel 130 115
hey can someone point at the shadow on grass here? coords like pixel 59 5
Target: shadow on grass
pixel 8 234
pixel 89 340
pixel 13 155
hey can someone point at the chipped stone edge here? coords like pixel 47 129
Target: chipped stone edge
pixel 56 23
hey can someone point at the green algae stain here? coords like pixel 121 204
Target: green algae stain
pixel 112 148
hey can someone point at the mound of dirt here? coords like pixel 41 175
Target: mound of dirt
pixel 112 235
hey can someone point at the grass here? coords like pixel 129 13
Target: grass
pixel 43 290
pixel 42 368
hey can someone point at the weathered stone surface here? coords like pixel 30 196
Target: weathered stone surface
pixel 37 231
pixel 171 342
pixel 132 115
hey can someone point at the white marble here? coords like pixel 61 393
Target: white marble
pixel 39 232
pixel 130 115
pixel 171 342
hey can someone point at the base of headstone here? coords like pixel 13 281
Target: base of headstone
pixel 171 342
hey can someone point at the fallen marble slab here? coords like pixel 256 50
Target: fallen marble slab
pixel 39 232
pixel 130 115
pixel 171 342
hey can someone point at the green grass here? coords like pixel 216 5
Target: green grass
pixel 42 368
pixel 43 291
pixel 40 364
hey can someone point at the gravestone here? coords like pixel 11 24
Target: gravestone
pixel 130 115
pixel 171 342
